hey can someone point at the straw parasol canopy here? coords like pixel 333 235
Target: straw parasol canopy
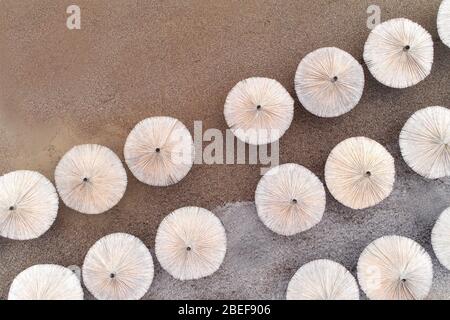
pixel 329 82
pixel 322 280
pixel 399 53
pixel 28 205
pixel 118 267
pixel 46 282
pixel 190 243
pixel 290 199
pixel 90 178
pixel 259 110
pixel 443 22
pixel 440 238
pixel 159 151
pixel 359 172
pixel 425 142
pixel 395 268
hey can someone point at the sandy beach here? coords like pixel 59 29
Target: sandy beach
pixel 135 59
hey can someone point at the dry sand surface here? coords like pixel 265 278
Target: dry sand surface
pixel 135 59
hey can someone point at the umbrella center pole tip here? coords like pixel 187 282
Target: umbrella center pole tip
pixel 258 107
pixel 112 275
pixel 334 79
pixel 188 248
pixel 294 201
pixel 368 173
pixel 12 208
pixel 406 48
pixel 85 179
pixel 157 150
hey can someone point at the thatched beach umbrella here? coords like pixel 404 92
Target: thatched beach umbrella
pixel 440 238
pixel 425 142
pixel 289 199
pixel 118 267
pixel 443 22
pixel 28 205
pixel 46 282
pixel 359 172
pixel 159 151
pixel 90 178
pixel 329 82
pixel 395 268
pixel 322 280
pixel 190 243
pixel 399 53
pixel 259 110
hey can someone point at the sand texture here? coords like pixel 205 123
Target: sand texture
pixel 134 59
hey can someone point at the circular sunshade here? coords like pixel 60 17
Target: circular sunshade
pixel 290 199
pixel 90 178
pixel 440 238
pixel 399 53
pixel 425 142
pixel 259 110
pixel 46 282
pixel 322 280
pixel 118 267
pixel 359 172
pixel 443 22
pixel 190 243
pixel 159 151
pixel 28 205
pixel 329 82
pixel 395 268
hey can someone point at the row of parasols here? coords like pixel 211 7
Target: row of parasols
pixel 191 241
